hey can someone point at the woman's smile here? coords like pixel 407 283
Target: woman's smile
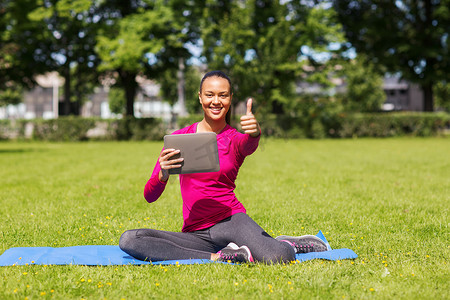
pixel 216 110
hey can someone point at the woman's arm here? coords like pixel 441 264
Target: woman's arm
pixel 156 184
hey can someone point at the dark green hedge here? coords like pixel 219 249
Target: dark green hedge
pixel 77 129
pixel 339 125
pixel 4 129
pixel 130 128
pixel 392 124
pixel 344 125
pixel 191 119
pixel 12 129
pixel 62 129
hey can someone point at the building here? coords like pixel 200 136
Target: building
pixel 401 95
pixel 40 101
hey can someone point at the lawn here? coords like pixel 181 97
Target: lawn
pixel 387 199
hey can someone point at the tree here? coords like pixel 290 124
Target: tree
pixel 143 38
pixel 185 32
pixel 67 43
pixel 49 35
pixel 442 92
pixel 11 93
pixel 364 86
pixel 125 45
pixel 19 48
pixel 261 44
pixel 116 100
pixel 407 36
pixel 169 93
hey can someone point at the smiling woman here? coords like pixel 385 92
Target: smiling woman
pixel 216 225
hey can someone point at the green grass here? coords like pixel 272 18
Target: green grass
pixel 387 199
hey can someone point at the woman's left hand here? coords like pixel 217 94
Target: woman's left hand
pixel 248 121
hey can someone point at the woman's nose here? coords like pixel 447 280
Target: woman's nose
pixel 216 99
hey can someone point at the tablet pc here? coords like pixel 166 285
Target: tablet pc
pixel 199 151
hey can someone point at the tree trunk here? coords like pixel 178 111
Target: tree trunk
pixel 180 87
pixel 428 104
pixel 67 110
pixel 130 86
pixel 427 86
pixel 79 100
pixel 79 91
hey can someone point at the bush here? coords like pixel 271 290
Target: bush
pixel 364 86
pixel 424 124
pixel 281 126
pixel 191 119
pixel 4 129
pixel 317 126
pixel 317 129
pixel 130 128
pixel 12 129
pixel 80 129
pixel 314 115
pixel 188 120
pixel 342 125
pixel 392 124
pixel 62 129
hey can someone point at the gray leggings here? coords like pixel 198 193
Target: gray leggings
pixel 156 245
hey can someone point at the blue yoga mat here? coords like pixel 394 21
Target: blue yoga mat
pixel 103 255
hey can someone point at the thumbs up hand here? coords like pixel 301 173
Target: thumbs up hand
pixel 248 121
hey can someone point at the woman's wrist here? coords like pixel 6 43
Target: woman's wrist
pixel 163 176
pixel 257 133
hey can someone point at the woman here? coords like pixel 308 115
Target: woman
pixel 216 225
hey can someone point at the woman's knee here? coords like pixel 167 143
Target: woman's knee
pixel 127 239
pixel 279 259
pixel 279 255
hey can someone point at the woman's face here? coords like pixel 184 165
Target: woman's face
pixel 215 98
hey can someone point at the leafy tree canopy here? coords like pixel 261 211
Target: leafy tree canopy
pixel 168 83
pixel 68 42
pixel 262 46
pixel 20 44
pixel 145 38
pixel 407 36
pixel 364 86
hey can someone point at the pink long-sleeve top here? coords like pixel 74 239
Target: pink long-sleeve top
pixel 208 198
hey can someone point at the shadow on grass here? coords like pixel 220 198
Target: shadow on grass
pixel 21 150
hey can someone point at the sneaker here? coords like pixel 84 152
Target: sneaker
pixel 233 253
pixel 304 243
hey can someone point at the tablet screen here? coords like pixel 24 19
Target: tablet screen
pixel 199 151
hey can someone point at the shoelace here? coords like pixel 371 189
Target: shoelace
pixel 228 257
pixel 301 247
